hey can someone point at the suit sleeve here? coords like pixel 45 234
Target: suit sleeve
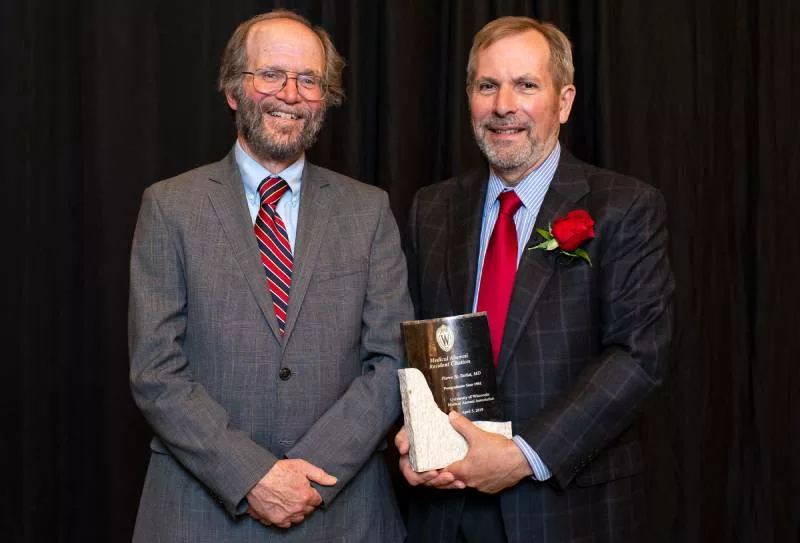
pixel 635 308
pixel 193 427
pixel 347 435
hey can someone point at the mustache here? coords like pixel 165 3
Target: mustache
pixel 499 123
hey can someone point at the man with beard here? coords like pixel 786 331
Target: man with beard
pixel 579 310
pixel 265 299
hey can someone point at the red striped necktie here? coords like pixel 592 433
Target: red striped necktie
pixel 499 269
pixel 273 243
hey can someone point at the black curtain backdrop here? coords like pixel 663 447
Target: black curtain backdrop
pixel 102 98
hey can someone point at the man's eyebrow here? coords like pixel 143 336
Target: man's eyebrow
pixel 282 69
pixel 308 72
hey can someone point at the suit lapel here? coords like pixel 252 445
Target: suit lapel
pixel 228 200
pixel 315 208
pixel 464 226
pixel 568 186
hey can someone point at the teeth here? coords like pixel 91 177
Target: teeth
pixel 511 131
pixel 283 115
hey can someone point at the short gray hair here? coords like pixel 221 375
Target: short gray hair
pixel 561 68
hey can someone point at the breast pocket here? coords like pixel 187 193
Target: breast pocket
pixel 328 275
pixel 336 274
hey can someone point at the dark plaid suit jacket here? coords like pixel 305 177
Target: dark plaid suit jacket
pixel 583 347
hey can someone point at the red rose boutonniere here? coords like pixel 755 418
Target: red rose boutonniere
pixel 567 233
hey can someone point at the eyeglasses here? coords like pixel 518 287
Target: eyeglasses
pixel 271 81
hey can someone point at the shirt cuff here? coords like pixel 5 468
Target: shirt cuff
pixel 540 471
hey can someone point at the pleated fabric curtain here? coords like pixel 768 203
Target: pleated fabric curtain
pixel 101 99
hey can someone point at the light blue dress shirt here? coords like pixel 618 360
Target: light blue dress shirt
pixel 254 173
pixel 531 191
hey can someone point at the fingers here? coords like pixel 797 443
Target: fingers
pixel 293 520
pixel 446 480
pixel 312 501
pixel 255 516
pixel 455 485
pixel 287 522
pixel 284 497
pixel 412 476
pixel 318 475
pixel 401 441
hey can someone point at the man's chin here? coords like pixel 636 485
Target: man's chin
pixel 505 156
pixel 282 153
pixel 288 137
pixel 283 130
pixel 507 161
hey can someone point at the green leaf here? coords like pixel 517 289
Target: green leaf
pixel 544 233
pixel 584 255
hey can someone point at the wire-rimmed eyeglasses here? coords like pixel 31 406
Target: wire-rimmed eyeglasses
pixel 271 81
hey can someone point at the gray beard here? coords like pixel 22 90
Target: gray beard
pixel 250 123
pixel 518 160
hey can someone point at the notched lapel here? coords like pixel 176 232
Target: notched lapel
pixel 464 225
pixel 228 200
pixel 536 267
pixel 315 208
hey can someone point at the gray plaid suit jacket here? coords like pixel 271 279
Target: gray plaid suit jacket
pixel 582 349
pixel 206 357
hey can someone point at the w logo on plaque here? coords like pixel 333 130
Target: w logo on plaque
pixel 445 338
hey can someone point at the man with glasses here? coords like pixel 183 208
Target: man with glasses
pixel 266 294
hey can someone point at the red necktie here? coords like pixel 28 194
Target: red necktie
pixel 273 243
pixel 499 269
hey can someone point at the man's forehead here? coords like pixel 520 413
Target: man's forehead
pixel 524 51
pixel 284 37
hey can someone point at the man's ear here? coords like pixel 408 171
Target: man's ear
pixel 565 99
pixel 232 103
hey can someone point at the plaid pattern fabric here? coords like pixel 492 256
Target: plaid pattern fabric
pixel 582 349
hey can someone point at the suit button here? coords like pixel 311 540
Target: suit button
pixel 285 374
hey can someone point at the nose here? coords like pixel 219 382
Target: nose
pixel 505 101
pixel 289 92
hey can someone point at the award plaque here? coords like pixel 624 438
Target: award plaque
pixel 454 355
pixel 450 369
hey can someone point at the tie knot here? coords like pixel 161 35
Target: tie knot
pixel 509 202
pixel 271 189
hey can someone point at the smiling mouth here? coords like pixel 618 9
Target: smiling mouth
pixel 505 131
pixel 283 115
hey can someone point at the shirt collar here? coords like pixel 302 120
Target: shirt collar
pixel 531 185
pixel 254 173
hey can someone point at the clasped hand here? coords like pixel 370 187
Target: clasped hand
pixel 284 496
pixel 493 462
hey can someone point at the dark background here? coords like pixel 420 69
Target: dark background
pixel 103 97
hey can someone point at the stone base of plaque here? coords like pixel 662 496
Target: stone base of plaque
pixel 433 442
